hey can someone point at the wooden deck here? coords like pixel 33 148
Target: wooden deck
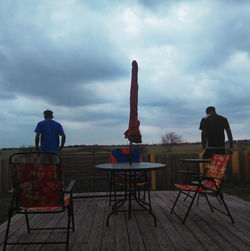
pixel 203 230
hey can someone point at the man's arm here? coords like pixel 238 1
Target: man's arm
pixel 37 138
pixel 203 139
pixel 203 134
pixel 230 137
pixel 62 141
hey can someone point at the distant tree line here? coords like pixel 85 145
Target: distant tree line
pixel 171 139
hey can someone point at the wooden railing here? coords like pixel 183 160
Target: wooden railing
pixel 80 166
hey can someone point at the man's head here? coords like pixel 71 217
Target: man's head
pixel 48 114
pixel 210 110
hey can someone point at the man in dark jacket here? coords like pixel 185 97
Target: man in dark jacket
pixel 212 133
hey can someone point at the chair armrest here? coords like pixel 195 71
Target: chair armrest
pixel 189 176
pixel 11 191
pixel 189 173
pixel 70 186
pixel 211 178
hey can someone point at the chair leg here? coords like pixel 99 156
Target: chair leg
pixel 172 210
pixel 219 199
pixel 27 221
pixel 186 196
pixel 190 206
pixel 110 190
pixel 139 193
pixel 69 211
pixel 198 200
pixel 144 193
pixel 208 202
pixel 114 192
pixel 72 215
pixel 10 213
pixel 225 205
pixel 149 200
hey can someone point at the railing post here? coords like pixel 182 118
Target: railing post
pixel 153 177
pixel 235 164
pixel 0 176
pixel 247 165
pixel 203 165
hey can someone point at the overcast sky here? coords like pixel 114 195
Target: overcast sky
pixel 74 57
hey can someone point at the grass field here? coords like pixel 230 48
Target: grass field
pixel 182 148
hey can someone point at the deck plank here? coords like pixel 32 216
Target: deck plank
pixel 108 235
pixel 203 230
pixel 80 215
pixel 164 221
pixel 201 236
pixel 237 233
pixel 134 234
pixel 205 222
pixel 95 236
pixel 191 241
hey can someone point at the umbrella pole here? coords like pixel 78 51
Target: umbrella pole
pixel 130 153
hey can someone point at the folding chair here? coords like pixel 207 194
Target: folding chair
pixel 209 183
pixel 38 189
pixel 117 179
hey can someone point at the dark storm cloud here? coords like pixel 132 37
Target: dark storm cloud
pixel 33 64
pixel 223 36
pixel 6 95
pixel 171 111
pixel 156 3
pixel 100 115
pixel 56 74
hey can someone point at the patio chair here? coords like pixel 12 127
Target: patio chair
pixel 38 189
pixel 117 179
pixel 209 183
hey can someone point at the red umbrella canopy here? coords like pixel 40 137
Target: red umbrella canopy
pixel 133 133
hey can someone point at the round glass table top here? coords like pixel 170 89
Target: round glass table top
pixel 127 167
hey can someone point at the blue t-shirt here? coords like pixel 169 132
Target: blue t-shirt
pixel 50 131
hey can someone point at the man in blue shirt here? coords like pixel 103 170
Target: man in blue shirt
pixel 49 130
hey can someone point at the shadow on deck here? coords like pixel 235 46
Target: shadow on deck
pixel 203 230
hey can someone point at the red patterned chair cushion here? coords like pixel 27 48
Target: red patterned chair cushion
pixel 66 202
pixel 188 188
pixel 216 171
pixel 38 186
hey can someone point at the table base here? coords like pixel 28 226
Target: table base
pixel 131 194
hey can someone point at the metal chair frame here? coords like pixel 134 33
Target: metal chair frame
pixel 200 189
pixel 16 204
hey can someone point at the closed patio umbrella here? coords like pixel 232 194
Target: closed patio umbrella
pixel 133 133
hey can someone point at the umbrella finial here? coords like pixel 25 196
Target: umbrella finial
pixel 134 64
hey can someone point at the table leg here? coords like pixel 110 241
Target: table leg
pixel 118 204
pixel 130 191
pixel 129 195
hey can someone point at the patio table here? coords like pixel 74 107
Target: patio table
pixel 130 191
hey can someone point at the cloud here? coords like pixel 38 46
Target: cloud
pixel 58 63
